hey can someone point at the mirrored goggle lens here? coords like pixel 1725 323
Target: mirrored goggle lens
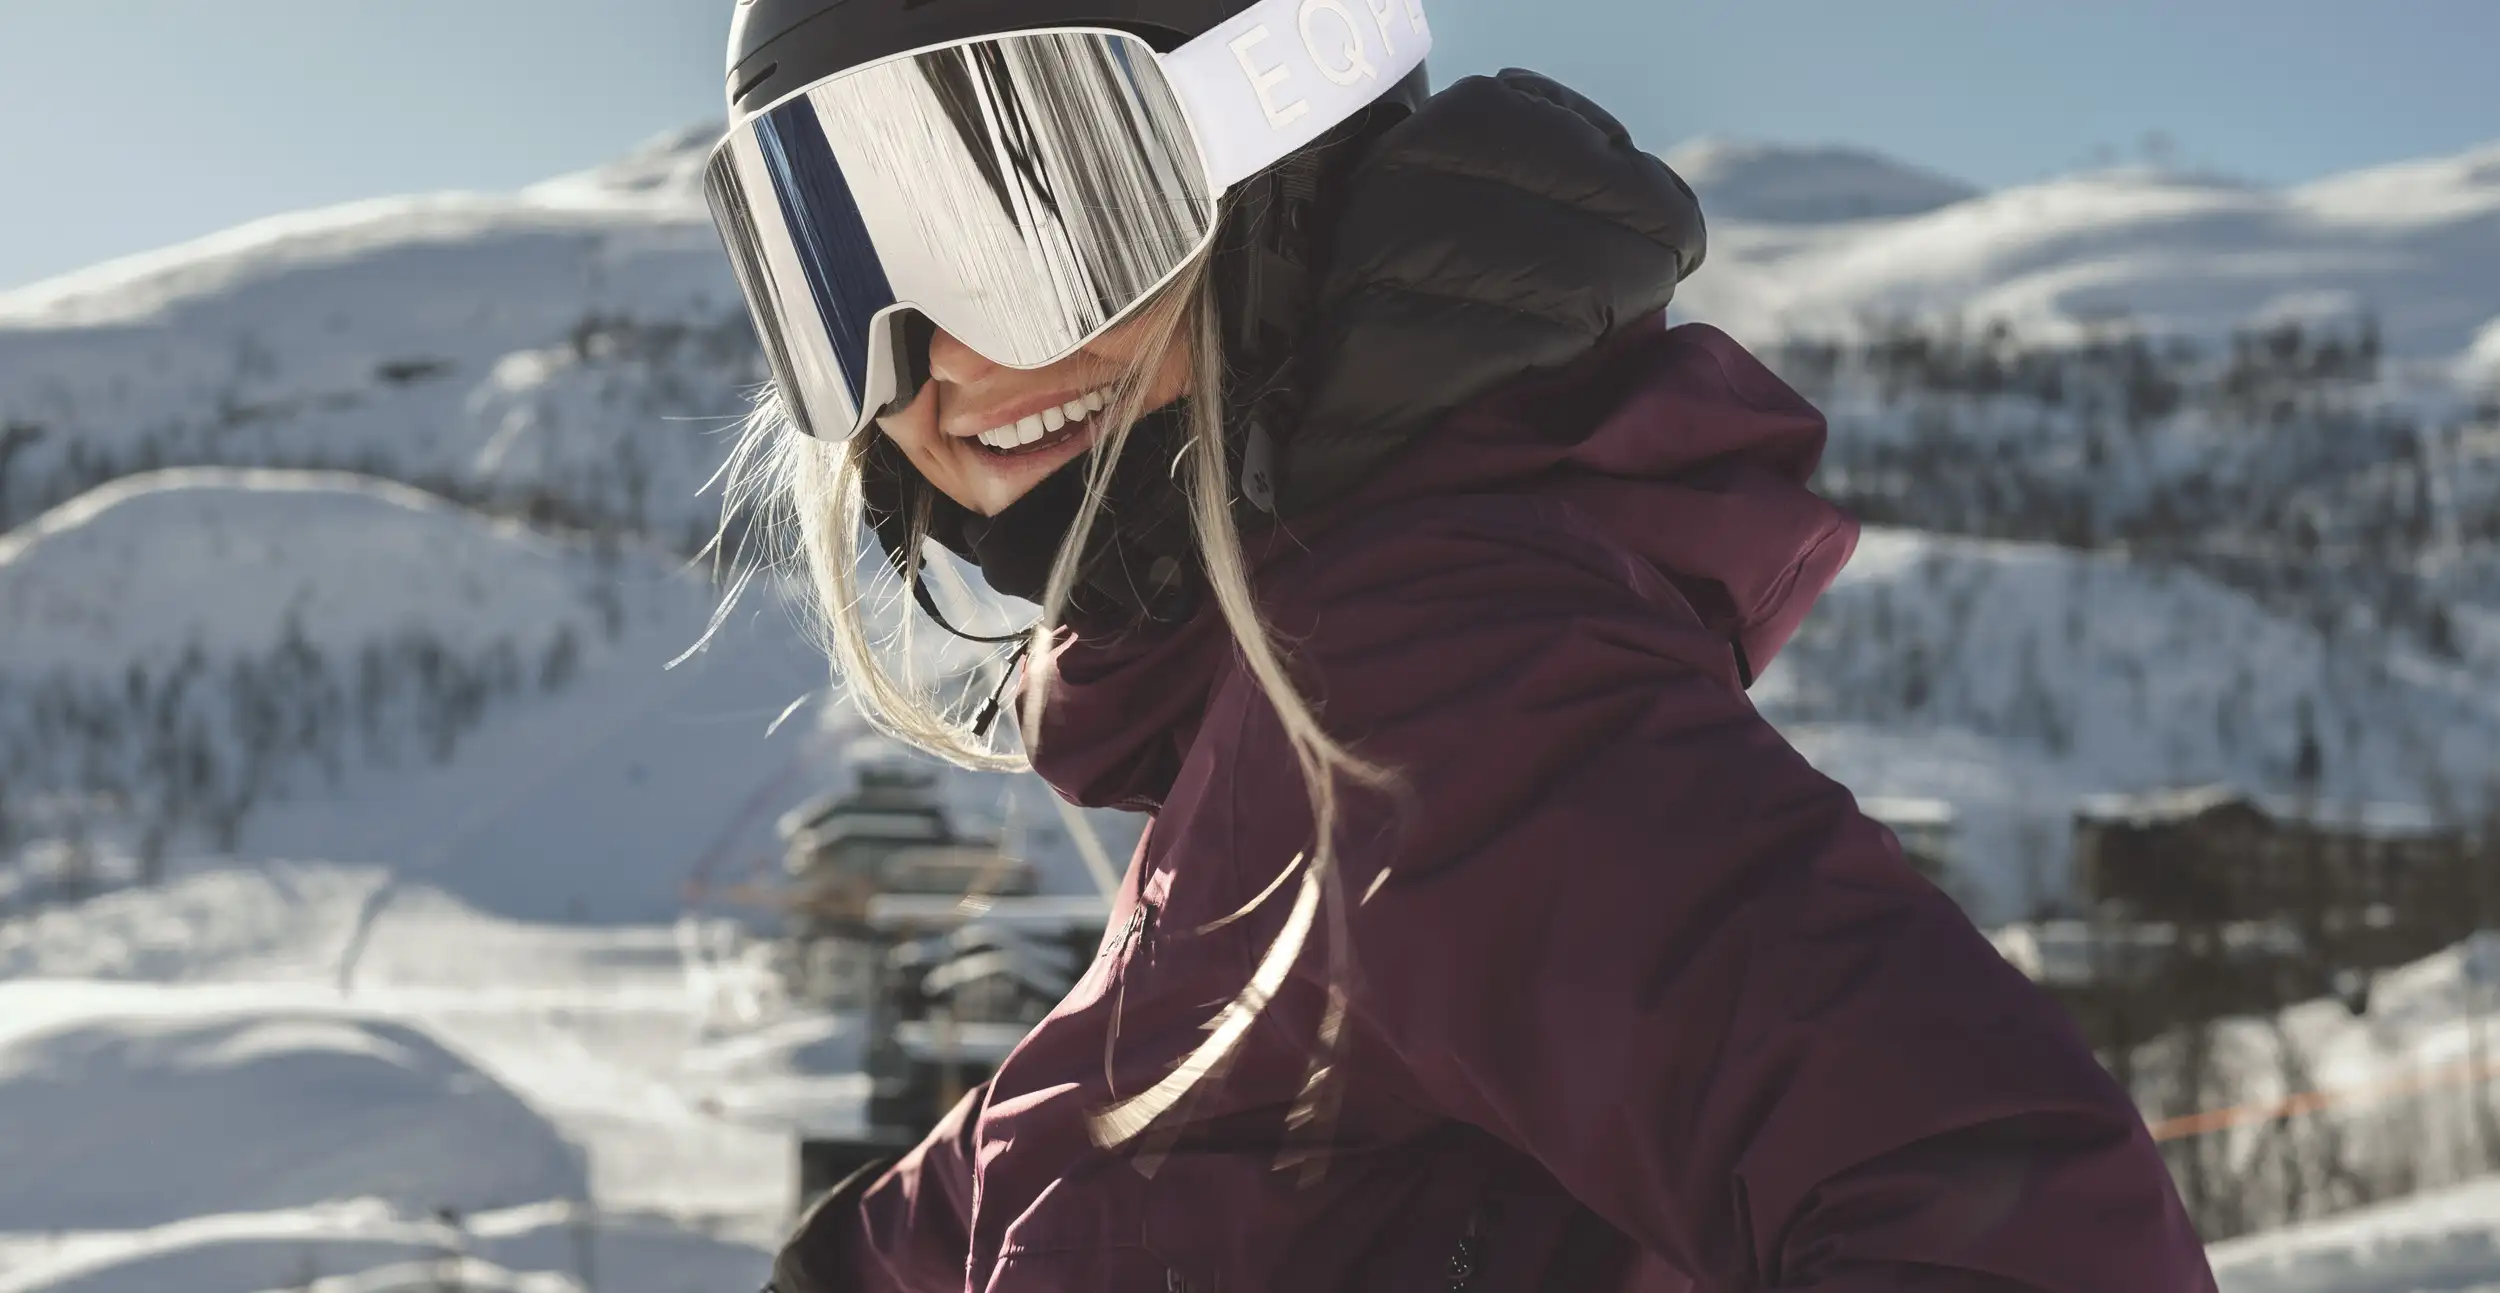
pixel 1024 192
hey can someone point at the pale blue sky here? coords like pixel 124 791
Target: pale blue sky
pixel 129 124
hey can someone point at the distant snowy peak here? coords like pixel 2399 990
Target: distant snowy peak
pixel 2481 365
pixel 2414 246
pixel 2437 190
pixel 1792 184
pixel 666 168
pixel 653 192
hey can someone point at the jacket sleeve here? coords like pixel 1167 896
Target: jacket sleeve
pixel 899 1228
pixel 1629 930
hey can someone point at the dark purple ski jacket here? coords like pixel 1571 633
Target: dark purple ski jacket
pixel 1644 1002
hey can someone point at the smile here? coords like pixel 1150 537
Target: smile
pixel 1030 430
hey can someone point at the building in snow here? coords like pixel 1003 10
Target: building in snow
pixel 889 833
pixel 2208 901
pixel 2370 884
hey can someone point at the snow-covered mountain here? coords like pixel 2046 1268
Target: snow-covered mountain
pixel 2176 254
pixel 2011 679
pixel 523 352
pixel 1766 183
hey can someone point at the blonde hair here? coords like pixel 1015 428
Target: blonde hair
pixel 803 508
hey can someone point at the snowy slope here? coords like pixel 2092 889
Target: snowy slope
pixel 2480 366
pixel 2422 1020
pixel 120 569
pixel 2010 679
pixel 2176 253
pixel 276 662
pixel 197 1105
pixel 1754 182
pixel 527 349
pixel 2443 1242
pixel 303 664
pixel 594 1097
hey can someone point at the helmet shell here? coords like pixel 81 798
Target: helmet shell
pixel 778 46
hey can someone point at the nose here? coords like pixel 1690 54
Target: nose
pixel 954 363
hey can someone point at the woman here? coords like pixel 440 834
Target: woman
pixel 1395 555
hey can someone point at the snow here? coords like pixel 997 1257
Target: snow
pixel 2173 253
pixel 2442 1242
pixel 120 567
pixel 2013 679
pixel 2481 362
pixel 191 1100
pixel 560 349
pixel 1750 181
pixel 277 1111
pixel 586 796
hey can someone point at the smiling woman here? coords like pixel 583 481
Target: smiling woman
pixel 1543 962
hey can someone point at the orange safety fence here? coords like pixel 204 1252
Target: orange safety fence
pixel 2453 1073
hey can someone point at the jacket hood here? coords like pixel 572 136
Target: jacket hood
pixel 1682 448
pixel 1505 229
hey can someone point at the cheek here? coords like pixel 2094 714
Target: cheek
pixel 914 431
pixel 941 460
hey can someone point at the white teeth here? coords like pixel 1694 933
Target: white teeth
pixel 1026 430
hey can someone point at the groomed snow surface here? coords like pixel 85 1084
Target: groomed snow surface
pixel 190 1101
pixel 2444 1242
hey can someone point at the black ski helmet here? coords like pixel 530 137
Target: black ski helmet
pixel 777 46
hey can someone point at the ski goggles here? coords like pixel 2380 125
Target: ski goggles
pixel 1026 192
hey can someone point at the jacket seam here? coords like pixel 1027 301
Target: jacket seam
pixel 1779 588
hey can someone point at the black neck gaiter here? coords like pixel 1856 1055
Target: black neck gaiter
pixel 1139 561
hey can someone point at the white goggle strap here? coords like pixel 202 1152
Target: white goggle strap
pixel 1277 75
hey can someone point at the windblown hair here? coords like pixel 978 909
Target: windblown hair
pixel 798 507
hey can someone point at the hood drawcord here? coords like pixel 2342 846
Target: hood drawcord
pixel 989 709
pixel 1024 643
